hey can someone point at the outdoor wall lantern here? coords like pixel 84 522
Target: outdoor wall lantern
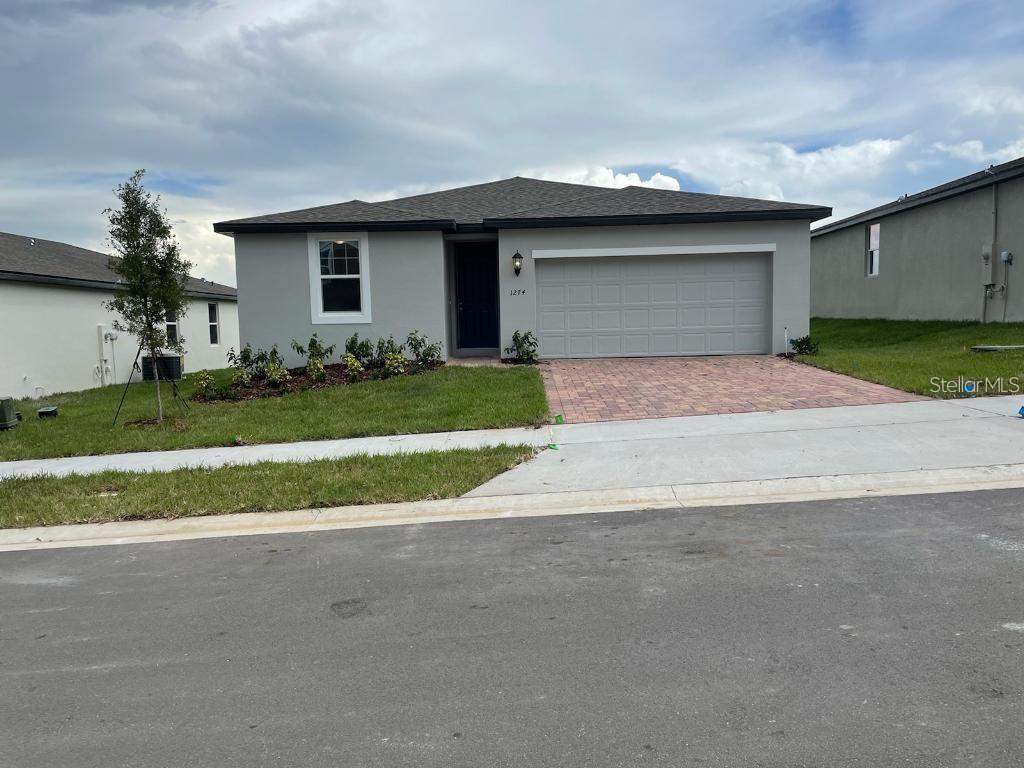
pixel 517 263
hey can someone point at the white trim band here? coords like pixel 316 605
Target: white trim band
pixel 656 250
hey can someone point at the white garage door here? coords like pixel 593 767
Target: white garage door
pixel 632 306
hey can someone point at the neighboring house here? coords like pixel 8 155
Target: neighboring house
pixel 943 254
pixel 594 272
pixel 57 335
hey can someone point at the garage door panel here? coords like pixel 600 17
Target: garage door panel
pixel 665 343
pixel 608 294
pixel 551 295
pixel 551 321
pixel 608 345
pixel 691 291
pixel 692 317
pixel 636 318
pixel 720 289
pixel 581 320
pixel 636 344
pixel 575 295
pixel 608 320
pixel 582 346
pixel 659 305
pixel 636 293
pixel 662 293
pixel 750 315
pixel 665 318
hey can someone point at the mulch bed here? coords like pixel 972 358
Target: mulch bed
pixel 299 382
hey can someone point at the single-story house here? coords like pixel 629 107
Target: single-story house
pixel 58 336
pixel 592 271
pixel 943 254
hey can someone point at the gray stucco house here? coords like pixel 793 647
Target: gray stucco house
pixel 594 272
pixel 943 254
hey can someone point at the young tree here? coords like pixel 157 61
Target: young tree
pixel 153 273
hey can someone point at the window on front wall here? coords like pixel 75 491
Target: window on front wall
pixel 172 329
pixel 340 288
pixel 874 236
pixel 214 312
pixel 339 277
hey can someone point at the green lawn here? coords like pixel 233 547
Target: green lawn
pixel 908 354
pixel 448 398
pixel 256 488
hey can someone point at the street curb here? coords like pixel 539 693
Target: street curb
pixel 794 489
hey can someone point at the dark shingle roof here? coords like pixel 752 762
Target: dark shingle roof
pixel 991 175
pixel 520 202
pixel 34 260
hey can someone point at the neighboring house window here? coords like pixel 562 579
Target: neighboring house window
pixel 339 280
pixel 172 328
pixel 214 323
pixel 874 237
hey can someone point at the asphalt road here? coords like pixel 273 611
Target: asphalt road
pixel 882 632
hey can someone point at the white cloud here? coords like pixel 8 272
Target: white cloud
pixel 287 105
pixel 601 176
pixel 974 151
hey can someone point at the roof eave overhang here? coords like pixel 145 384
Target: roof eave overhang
pixel 905 205
pixel 98 285
pixel 261 228
pixel 805 214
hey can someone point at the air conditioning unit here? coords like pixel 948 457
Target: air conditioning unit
pixel 170 367
pixel 8 416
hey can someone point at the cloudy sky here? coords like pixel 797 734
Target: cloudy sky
pixel 240 107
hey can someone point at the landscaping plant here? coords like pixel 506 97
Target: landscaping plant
pixel 353 368
pixel 317 354
pixel 384 348
pixel 204 382
pixel 805 345
pixel 360 349
pixel 394 365
pixel 523 349
pixel 152 273
pixel 424 354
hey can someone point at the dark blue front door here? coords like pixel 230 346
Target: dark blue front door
pixel 476 295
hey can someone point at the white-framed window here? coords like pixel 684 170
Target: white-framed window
pixel 339 277
pixel 172 328
pixel 874 238
pixel 213 310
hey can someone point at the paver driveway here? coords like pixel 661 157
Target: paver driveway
pixel 649 388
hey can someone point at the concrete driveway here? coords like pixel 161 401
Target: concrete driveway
pixel 651 388
pixel 865 633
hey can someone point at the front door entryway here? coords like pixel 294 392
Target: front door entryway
pixel 476 297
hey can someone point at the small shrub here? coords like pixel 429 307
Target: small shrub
pixel 240 377
pixel 360 349
pixel 805 345
pixel 523 349
pixel 254 364
pixel 394 365
pixel 276 374
pixel 316 371
pixel 424 354
pixel 353 368
pixel 205 384
pixel 385 347
pixel 317 354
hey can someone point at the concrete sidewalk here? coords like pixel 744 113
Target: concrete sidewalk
pixel 895 437
pixel 165 461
